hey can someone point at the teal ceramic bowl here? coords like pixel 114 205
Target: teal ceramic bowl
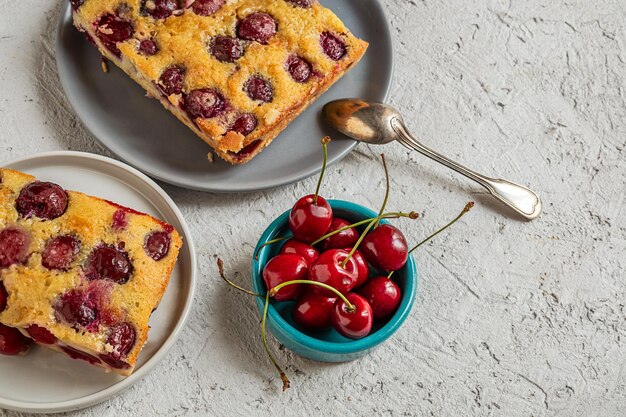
pixel 327 345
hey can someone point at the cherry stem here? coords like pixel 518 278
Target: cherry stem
pixel 282 285
pixel 465 210
pixel 358 242
pixel 271 293
pixel 220 267
pixel 283 376
pixel 382 208
pixel 270 242
pixel 325 141
pixel 412 215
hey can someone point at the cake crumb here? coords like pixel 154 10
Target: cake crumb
pixel 105 65
pixel 271 116
pixel 210 157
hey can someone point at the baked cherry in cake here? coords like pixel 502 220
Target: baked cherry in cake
pixel 12 342
pixel 108 262
pixel 41 335
pixel 159 9
pixel 121 340
pixel 3 297
pixel 41 199
pixel 226 48
pixel 112 29
pixel 301 3
pixel 207 7
pixel 157 245
pixel 236 72
pixel 13 246
pixel 171 80
pixel 148 47
pixel 88 272
pixel 76 3
pixel 205 103
pixel 60 252
pixel 299 68
pixel 244 124
pixel 259 27
pixel 77 308
pixel 334 47
pixel 259 88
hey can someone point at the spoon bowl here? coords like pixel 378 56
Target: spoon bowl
pixel 361 120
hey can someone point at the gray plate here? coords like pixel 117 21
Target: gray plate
pixel 141 132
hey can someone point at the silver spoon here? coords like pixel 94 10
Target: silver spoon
pixel 378 124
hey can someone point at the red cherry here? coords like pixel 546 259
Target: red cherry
pixel 344 239
pixel 383 295
pixel 313 311
pixel 386 248
pixel 283 268
pixel 309 221
pixel 41 334
pixel 308 252
pixel 327 269
pixel 12 342
pixel 363 268
pixel 353 324
pixel 3 297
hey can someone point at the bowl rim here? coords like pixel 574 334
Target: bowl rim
pixel 382 334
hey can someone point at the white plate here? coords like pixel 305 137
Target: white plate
pixel 45 381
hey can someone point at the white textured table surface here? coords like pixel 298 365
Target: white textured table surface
pixel 512 318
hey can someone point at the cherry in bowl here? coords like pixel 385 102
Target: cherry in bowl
pixel 326 345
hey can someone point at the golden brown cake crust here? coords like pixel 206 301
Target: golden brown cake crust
pixel 36 291
pixel 184 38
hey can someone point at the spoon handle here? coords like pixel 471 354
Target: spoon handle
pixel 519 198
